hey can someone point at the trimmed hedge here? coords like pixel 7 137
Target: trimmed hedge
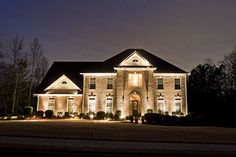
pixel 39 114
pixel 49 114
pixel 101 115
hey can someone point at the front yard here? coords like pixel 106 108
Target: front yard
pixel 120 131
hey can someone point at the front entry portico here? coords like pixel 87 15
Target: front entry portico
pixel 135 104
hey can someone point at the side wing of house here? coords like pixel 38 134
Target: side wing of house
pixel 61 96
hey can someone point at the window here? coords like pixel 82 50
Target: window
pixel 177 83
pixel 109 105
pixel 161 105
pixel 71 104
pixel 160 84
pixel 91 104
pixel 135 61
pixel 92 83
pixel 64 82
pixel 178 105
pixel 109 83
pixel 51 103
pixel 135 79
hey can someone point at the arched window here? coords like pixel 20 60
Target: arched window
pixel 64 82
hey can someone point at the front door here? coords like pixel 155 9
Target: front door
pixel 135 108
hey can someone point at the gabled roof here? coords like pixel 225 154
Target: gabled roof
pixel 73 69
pixel 161 65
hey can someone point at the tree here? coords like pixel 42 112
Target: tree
pixel 35 57
pixel 205 89
pixel 16 67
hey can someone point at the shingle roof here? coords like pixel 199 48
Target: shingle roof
pixel 73 69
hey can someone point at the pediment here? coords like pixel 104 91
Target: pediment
pixel 63 82
pixel 135 59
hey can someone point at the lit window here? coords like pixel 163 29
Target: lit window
pixel 51 103
pixel 177 83
pixel 135 79
pixel 71 104
pixel 178 105
pixel 109 83
pixel 160 84
pixel 91 104
pixel 109 105
pixel 161 105
pixel 92 83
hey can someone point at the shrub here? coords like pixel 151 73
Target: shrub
pixel 81 115
pixel 49 114
pixel 149 111
pixel 39 114
pixel 101 115
pixel 153 118
pixel 117 115
pixel 28 111
pixel 59 114
pixel 67 115
pixel 75 114
pixel 109 115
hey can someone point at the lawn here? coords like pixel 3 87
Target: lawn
pixel 77 129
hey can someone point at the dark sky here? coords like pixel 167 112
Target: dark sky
pixel 183 32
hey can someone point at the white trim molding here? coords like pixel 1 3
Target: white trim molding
pixel 58 94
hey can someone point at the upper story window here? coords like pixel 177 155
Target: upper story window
pixel 160 83
pixel 109 83
pixel 177 83
pixel 92 83
pixel 135 79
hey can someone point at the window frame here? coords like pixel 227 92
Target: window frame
pixel 162 99
pixel 68 105
pixel 51 107
pixel 110 85
pixel 176 85
pixel 106 106
pixel 178 100
pixel 92 85
pixel 160 85
pixel 89 106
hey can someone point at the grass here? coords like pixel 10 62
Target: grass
pixel 77 129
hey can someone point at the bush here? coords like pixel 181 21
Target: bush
pixel 59 114
pixel 67 115
pixel 28 111
pixel 101 115
pixel 49 114
pixel 153 118
pixel 91 115
pixel 75 114
pixel 117 115
pixel 149 111
pixel 109 115
pixel 39 114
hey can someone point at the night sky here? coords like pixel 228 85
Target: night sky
pixel 181 32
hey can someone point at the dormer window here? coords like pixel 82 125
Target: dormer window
pixel 64 82
pixel 135 61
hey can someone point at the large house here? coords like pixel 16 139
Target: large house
pixel 133 81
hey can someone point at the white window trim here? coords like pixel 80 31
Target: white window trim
pixel 163 84
pixel 179 83
pixel 95 103
pixel 90 82
pixel 178 97
pixel 163 103
pixel 68 102
pixel 54 103
pixel 112 83
pixel 106 104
